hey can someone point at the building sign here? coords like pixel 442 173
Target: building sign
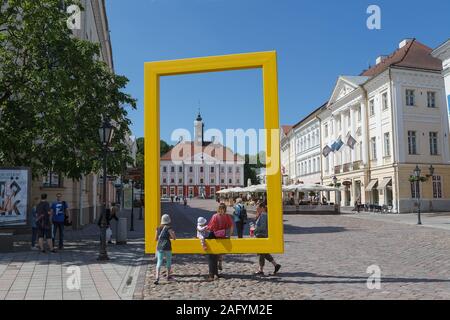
pixel 14 196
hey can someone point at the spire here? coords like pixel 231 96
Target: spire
pixel 199 116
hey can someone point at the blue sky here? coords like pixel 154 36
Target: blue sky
pixel 316 41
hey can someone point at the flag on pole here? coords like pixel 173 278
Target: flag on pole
pixel 339 144
pixel 326 151
pixel 351 142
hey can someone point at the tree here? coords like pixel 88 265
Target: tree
pixel 164 148
pixel 55 93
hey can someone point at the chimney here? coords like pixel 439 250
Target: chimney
pixel 380 59
pixel 404 42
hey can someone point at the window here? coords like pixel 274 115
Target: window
pixel 213 181
pixel 222 170
pixel 172 181
pixel 237 181
pixel 172 169
pixel 359 114
pixel 327 164
pixel 412 142
pixel 238 170
pixel 387 144
pixel 190 181
pixel 164 191
pixel 230 170
pixel 372 107
pixel 431 99
pixel 164 169
pixel 410 98
pixel 437 187
pixel 415 189
pixel 314 165
pixel 325 130
pixel 52 180
pixel 191 169
pixel 164 180
pixel 384 99
pixel 373 145
pixel 433 143
pixel 212 169
pixel 230 181
pixel 180 169
pixel 222 181
pixel 201 169
pixel 201 181
pixel 180 181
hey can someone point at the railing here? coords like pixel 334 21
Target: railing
pixel 346 167
pixel 337 169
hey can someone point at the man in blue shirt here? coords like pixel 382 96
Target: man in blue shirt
pixel 59 210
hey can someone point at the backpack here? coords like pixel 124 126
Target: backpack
pixel 243 213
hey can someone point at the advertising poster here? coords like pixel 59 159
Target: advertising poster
pixel 14 190
pixel 127 197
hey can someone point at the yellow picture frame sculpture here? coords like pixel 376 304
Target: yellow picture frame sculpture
pixel 267 61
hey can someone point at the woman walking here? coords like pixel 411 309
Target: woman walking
pixel 220 227
pixel 261 232
pixel 164 234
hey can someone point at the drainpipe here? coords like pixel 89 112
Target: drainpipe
pixel 366 103
pixel 394 134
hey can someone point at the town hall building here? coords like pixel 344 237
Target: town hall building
pixel 200 168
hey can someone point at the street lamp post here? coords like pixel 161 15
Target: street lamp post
pixel 106 133
pixel 417 182
pixel 132 206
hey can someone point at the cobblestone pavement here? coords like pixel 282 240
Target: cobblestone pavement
pixel 326 257
pixel 31 275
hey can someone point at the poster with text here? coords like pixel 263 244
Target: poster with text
pixel 14 187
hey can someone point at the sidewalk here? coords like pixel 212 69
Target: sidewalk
pixel 74 273
pixel 438 220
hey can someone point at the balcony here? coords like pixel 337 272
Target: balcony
pixel 346 167
pixel 337 169
pixel 357 165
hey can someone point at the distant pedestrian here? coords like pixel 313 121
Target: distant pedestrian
pixel 240 217
pixel 34 226
pixel 59 209
pixel 261 232
pixel 164 234
pixel 202 231
pixel 221 227
pixel 171 198
pixel 185 201
pixel 111 214
pixel 44 223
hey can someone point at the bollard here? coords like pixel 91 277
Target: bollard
pixel 121 236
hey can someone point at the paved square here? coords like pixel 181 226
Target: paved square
pixel 326 257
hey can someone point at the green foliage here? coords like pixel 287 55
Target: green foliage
pixel 164 147
pixel 54 93
pixel 415 179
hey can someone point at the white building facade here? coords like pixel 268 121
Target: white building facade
pixel 443 53
pixel 308 149
pixel 378 126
